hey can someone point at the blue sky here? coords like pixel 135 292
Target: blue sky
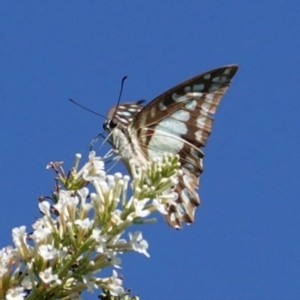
pixel 245 242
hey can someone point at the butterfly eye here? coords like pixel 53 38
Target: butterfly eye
pixel 109 125
pixel 112 124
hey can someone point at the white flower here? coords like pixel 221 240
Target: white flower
pixel 96 234
pixel 115 285
pixel 42 223
pixel 6 256
pixel 19 235
pixel 138 244
pixel 115 261
pixel 83 193
pixel 90 284
pixel 47 252
pixel 84 224
pixel 47 276
pixel 41 234
pixel 157 203
pixel 139 211
pixel 115 217
pixel 111 181
pixel 44 207
pixel 15 294
pixel 96 160
pixel 66 204
pixel 62 253
pixel 43 229
pixel 97 218
pixel 102 244
pixel 77 159
pixel 93 170
pixel 26 283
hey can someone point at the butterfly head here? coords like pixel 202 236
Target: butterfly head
pixel 122 115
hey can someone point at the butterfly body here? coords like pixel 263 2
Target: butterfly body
pixel 122 137
pixel 178 121
pixel 125 147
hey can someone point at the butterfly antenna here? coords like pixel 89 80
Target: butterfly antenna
pixel 85 108
pixel 120 95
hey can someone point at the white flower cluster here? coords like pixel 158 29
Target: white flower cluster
pixel 80 231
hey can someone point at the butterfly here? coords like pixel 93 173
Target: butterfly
pixel 178 121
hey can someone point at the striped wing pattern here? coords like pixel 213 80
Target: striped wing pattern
pixel 178 121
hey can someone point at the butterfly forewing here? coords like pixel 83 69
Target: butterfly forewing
pixel 178 121
pixel 125 112
pixel 213 83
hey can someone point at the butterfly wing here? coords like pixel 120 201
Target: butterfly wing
pixel 191 102
pixel 125 112
pixel 179 121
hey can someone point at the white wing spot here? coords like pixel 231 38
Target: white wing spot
pixel 186 195
pixel 153 111
pixel 192 163
pixel 122 107
pixel 172 217
pixel 181 115
pixel 195 152
pixel 227 71
pixel 185 170
pixel 161 142
pixel 142 121
pixel 179 98
pixel 170 125
pixel 207 76
pixel 201 163
pixel 206 107
pixel 209 98
pixel 188 166
pixel 181 211
pixel 187 89
pixel 220 79
pixel 199 135
pixel 214 87
pixel 187 181
pixel 133 109
pixel 123 120
pixel 198 87
pixel 162 106
pixel 123 113
pixel 201 122
pixel 195 95
pixel 191 105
